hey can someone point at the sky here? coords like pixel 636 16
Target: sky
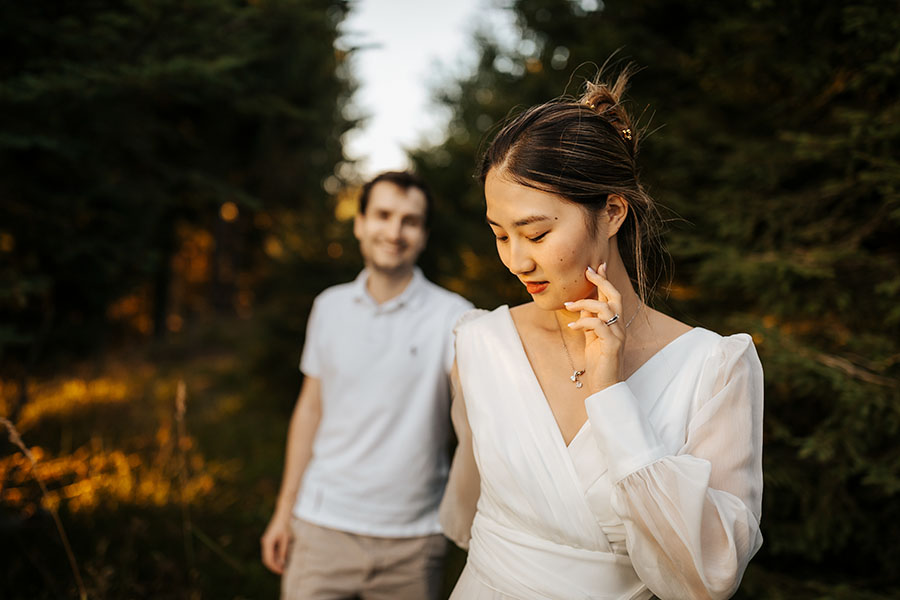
pixel 409 47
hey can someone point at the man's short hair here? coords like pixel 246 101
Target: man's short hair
pixel 402 179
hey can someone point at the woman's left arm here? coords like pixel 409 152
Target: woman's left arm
pixel 692 517
pixel 460 502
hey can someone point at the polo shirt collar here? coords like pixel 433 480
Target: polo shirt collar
pixel 408 297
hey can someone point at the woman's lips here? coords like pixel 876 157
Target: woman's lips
pixel 536 288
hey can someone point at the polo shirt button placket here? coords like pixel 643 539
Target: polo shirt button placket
pixel 373 323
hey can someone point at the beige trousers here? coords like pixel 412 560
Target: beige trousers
pixel 326 564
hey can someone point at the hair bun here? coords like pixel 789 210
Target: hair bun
pixel 605 100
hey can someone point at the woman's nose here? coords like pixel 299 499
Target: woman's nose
pixel 520 261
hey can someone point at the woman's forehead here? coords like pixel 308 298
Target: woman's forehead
pixel 512 204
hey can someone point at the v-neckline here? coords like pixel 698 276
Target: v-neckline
pixel 543 395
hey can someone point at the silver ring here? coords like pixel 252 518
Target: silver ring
pixel 614 318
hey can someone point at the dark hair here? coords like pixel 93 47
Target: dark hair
pixel 402 179
pixel 584 150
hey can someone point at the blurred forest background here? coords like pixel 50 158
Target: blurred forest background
pixel 173 193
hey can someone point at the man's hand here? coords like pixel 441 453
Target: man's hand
pixel 275 541
pixel 301 433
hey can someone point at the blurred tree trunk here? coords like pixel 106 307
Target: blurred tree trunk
pixel 117 121
pixel 162 276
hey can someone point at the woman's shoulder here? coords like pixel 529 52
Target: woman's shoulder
pixel 721 345
pixel 704 346
pixel 725 354
pixel 478 317
pixel 670 329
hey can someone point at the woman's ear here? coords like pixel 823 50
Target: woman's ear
pixel 616 211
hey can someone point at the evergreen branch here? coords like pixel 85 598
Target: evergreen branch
pixel 857 372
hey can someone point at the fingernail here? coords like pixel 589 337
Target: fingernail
pixel 603 268
pixel 591 270
pixel 568 304
pixel 570 325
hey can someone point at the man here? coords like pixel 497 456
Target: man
pixel 368 435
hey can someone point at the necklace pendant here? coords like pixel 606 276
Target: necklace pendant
pixel 575 376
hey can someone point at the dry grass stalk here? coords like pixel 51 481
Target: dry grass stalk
pixel 16 439
pixel 188 528
pixel 181 433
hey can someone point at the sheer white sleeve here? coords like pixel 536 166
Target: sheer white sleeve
pixel 691 517
pixel 457 510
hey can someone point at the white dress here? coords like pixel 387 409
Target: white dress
pixel 658 494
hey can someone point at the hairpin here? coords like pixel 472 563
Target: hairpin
pixel 626 133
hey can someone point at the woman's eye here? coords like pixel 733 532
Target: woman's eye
pixel 538 238
pixel 501 238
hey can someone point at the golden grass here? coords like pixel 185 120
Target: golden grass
pixel 16 439
pixel 162 466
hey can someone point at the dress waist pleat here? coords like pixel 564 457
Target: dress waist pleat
pixel 532 568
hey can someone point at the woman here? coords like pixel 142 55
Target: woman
pixel 611 450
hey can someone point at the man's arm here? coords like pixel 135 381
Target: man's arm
pixel 301 433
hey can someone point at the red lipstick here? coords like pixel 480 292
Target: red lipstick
pixel 535 288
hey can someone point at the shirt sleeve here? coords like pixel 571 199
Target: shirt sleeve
pixel 691 518
pixel 311 357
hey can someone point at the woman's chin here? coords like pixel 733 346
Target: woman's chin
pixel 547 302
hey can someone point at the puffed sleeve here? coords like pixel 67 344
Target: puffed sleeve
pixel 691 517
pixel 457 509
pixel 457 312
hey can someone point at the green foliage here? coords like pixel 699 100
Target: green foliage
pixel 771 136
pixel 122 120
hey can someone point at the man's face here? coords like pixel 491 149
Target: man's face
pixel 392 232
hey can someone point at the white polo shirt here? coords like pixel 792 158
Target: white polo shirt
pixel 379 460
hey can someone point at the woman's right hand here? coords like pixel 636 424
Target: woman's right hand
pixel 275 541
pixel 603 344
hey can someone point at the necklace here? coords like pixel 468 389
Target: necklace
pixel 576 373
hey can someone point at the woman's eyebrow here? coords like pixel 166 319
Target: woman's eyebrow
pixel 522 222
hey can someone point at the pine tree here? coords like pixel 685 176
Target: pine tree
pixel 120 121
pixel 774 131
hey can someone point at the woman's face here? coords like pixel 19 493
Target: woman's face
pixel 544 240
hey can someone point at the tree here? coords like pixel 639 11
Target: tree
pixel 119 121
pixel 775 152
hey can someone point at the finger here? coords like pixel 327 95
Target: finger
pixel 594 325
pixel 604 287
pixel 281 547
pixel 270 553
pixel 589 334
pixel 593 306
pixel 598 329
pixel 595 320
pixel 603 315
pixel 267 557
